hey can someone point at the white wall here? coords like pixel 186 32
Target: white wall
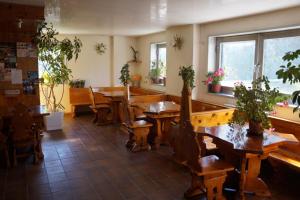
pixel 274 20
pixel 97 70
pixel 143 46
pixel 121 55
pixel 195 50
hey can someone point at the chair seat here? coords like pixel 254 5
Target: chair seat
pixel 212 165
pixel 140 124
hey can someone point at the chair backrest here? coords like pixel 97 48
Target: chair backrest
pixel 21 123
pixel 128 114
pixel 92 96
pixel 187 148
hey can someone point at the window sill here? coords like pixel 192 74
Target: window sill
pixel 221 94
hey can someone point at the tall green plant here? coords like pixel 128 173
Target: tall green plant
pixel 291 73
pixel 188 75
pixel 54 55
pixel 253 104
pixel 125 76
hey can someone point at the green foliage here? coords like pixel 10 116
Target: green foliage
pixel 188 75
pixel 253 104
pixel 125 76
pixel 291 73
pixel 54 55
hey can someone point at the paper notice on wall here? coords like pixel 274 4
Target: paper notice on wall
pixel 16 76
pixel 26 50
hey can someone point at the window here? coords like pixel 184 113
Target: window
pixel 248 57
pixel 158 61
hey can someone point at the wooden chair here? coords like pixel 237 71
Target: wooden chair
pixel 209 172
pixel 4 145
pixel 101 108
pixel 24 135
pixel 138 130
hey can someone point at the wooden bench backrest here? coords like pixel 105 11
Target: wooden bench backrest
pixel 148 98
pixel 197 105
pixel 211 118
pixel 80 96
pixel 291 127
pixel 143 91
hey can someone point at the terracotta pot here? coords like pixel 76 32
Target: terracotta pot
pixel 216 88
pixel 255 128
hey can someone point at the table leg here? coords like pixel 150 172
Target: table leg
pixel 253 182
pixel 157 140
pixel 165 130
pixel 115 105
pixel 242 178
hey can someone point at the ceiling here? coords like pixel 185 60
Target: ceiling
pixel 139 17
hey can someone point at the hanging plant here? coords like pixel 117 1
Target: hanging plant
pixel 188 75
pixel 125 77
pixel 100 48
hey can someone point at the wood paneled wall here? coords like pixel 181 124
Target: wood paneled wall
pixel 10 32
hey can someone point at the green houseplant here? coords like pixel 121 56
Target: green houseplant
pixel 188 75
pixel 53 55
pixel 125 78
pixel 291 73
pixel 254 103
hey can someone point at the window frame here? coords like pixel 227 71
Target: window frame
pixel 259 38
pixel 158 45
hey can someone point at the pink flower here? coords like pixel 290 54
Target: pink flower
pixel 209 80
pixel 272 129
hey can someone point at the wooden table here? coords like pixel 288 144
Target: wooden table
pixel 116 97
pixel 162 112
pixel 251 150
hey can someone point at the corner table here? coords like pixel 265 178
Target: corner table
pixel 162 112
pixel 251 150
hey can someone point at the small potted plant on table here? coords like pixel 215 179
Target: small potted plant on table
pixel 253 105
pixel 213 80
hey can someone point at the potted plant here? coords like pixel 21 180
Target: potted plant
pixel 291 73
pixel 54 55
pixel 188 75
pixel 213 80
pixel 125 77
pixel 253 105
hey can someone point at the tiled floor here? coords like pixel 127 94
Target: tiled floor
pixel 91 162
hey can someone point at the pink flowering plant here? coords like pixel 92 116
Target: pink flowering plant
pixel 215 77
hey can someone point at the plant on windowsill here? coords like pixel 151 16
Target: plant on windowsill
pixel 156 73
pixel 188 75
pixel 253 105
pixel 213 80
pixel 291 73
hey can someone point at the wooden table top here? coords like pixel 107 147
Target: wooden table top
pixel 115 93
pixel 36 111
pixel 240 141
pixel 159 107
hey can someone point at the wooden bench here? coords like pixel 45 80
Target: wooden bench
pixel 209 172
pixel 80 96
pixel 287 154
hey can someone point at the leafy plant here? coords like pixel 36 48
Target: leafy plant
pixel 54 55
pixel 125 76
pixel 291 73
pixel 254 103
pixel 188 75
pixel 77 83
pixel 215 77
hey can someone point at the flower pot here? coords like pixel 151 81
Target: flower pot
pixel 216 88
pixel 255 128
pixel 54 121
